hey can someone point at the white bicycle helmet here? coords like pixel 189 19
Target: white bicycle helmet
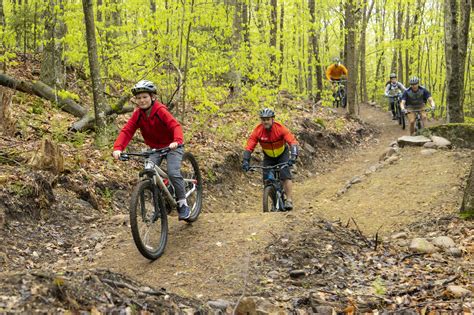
pixel 144 86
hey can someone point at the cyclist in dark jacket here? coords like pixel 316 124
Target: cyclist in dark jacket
pixel 159 130
pixel 415 98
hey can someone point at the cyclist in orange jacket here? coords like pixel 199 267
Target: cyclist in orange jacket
pixel 274 139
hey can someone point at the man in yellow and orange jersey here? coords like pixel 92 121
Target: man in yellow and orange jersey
pixel 335 71
pixel 274 139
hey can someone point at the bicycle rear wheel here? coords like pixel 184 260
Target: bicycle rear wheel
pixel 193 185
pixel 269 199
pixel 148 220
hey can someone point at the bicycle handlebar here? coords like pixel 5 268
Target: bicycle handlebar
pixel 146 154
pixel 418 110
pixel 277 166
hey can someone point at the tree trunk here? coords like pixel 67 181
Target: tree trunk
pixel 399 37
pixel 2 16
pixel 273 40
pixel 186 64
pixel 351 28
pixel 52 66
pixel 97 88
pixel 367 12
pixel 282 44
pixel 456 35
pixel 235 77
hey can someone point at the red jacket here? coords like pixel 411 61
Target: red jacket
pixel 273 141
pixel 159 130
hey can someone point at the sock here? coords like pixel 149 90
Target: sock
pixel 182 202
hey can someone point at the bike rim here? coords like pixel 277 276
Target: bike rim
pixel 193 186
pixel 148 218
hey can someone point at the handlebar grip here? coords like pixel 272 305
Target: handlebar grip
pixel 124 157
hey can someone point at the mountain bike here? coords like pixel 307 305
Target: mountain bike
pixel 418 120
pixel 273 192
pixel 340 98
pixel 153 198
pixel 398 111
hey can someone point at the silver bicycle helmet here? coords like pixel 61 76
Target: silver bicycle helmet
pixel 414 80
pixel 267 113
pixel 392 75
pixel 144 86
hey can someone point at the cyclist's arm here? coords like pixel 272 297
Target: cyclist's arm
pixel 404 100
pixel 252 141
pixel 401 87
pixel 172 124
pixel 127 132
pixel 387 88
pixel 289 137
pixel 431 100
pixel 328 72
pixel 345 71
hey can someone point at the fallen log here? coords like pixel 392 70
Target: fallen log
pixel 42 90
pixel 87 121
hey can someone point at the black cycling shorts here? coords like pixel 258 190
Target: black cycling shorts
pixel 285 173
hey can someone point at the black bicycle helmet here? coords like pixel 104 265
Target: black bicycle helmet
pixel 392 75
pixel 267 113
pixel 144 86
pixel 414 80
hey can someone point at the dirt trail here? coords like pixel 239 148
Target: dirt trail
pixel 210 258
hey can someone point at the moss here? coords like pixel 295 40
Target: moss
pixel 460 134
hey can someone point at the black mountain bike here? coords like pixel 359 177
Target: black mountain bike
pixel 340 98
pixel 273 192
pixel 153 198
pixel 398 111
pixel 418 120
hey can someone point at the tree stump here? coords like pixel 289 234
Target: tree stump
pixel 7 124
pixel 48 157
pixel 467 208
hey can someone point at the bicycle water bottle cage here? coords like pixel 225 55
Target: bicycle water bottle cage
pixel 147 172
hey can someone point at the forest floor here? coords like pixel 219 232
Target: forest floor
pixel 345 246
pixel 212 257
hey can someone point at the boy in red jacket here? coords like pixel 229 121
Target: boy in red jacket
pixel 159 130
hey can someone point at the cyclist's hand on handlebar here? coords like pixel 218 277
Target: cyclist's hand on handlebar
pixel 173 145
pixel 116 154
pixel 245 166
pixel 433 107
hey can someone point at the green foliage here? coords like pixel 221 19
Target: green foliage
pixel 378 286
pixel 213 52
pixel 67 94
pixel 19 189
pixel 320 121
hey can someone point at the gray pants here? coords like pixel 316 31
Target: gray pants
pixel 173 159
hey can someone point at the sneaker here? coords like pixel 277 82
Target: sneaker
pixel 183 212
pixel 288 205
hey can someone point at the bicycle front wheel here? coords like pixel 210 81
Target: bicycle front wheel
pixel 269 199
pixel 148 220
pixel 193 185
